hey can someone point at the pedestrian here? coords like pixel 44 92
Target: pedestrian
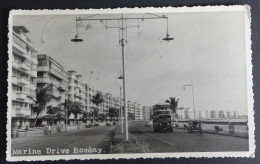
pixel 200 128
pixel 26 129
pixel 49 128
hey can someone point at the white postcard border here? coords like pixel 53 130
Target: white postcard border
pixel 250 100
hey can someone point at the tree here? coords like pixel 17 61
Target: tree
pixel 85 116
pixel 76 109
pixel 173 103
pixel 113 112
pixel 96 99
pixel 43 96
pixel 131 116
pixel 53 111
pixel 69 107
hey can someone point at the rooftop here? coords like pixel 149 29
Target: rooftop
pixel 18 28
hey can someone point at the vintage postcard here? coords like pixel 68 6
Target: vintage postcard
pixel 130 83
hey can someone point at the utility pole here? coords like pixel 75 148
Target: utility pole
pixel 122 40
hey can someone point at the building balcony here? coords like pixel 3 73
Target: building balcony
pixel 21 95
pixel 19 48
pixel 32 73
pixel 14 79
pixel 24 66
pixel 44 80
pixel 58 74
pixel 21 112
pixel 43 68
pixel 23 81
pixel 71 84
pixel 63 87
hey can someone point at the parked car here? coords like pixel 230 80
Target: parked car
pixel 108 124
pixel 147 124
pixel 89 125
pixel 96 124
pixel 195 126
pixel 114 122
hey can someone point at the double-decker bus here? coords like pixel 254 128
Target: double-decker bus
pixel 162 117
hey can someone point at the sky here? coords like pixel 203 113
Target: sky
pixel 208 50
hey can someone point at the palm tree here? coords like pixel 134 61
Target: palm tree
pixel 69 106
pixel 76 110
pixel 53 111
pixel 173 103
pixel 43 96
pixel 113 112
pixel 96 99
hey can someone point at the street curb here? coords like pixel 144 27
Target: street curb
pixel 217 133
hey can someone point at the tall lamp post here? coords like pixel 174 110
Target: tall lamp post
pixel 122 26
pixel 120 103
pixel 191 85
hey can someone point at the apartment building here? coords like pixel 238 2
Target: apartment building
pixel 89 93
pixel 50 72
pixel 203 114
pixel 213 114
pixel 180 113
pixel 146 113
pixel 130 107
pixel 23 76
pixel 76 91
pixel 138 111
pixel 188 114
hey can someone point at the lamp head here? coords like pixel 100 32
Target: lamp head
pixel 76 39
pixel 167 38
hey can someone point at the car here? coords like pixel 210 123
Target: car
pixel 195 126
pixel 96 124
pixel 89 125
pixel 114 123
pixel 108 124
pixel 147 124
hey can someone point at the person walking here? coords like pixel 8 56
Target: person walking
pixel 49 128
pixel 200 128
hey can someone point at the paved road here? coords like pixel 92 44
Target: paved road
pixel 182 141
pixel 80 141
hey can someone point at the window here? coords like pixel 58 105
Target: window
pixel 39 74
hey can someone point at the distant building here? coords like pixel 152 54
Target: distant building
pixel 180 113
pixel 213 114
pixel 138 111
pixel 188 114
pixel 228 114
pixel 221 114
pixel 146 113
pixel 235 114
pixel 203 114
pixel 130 107
pixel 76 92
pixel 89 92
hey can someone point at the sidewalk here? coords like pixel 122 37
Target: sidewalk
pixel 239 130
pixel 39 131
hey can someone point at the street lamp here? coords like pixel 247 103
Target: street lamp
pixel 120 77
pixel 191 85
pixel 76 39
pixel 122 26
pixel 167 38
